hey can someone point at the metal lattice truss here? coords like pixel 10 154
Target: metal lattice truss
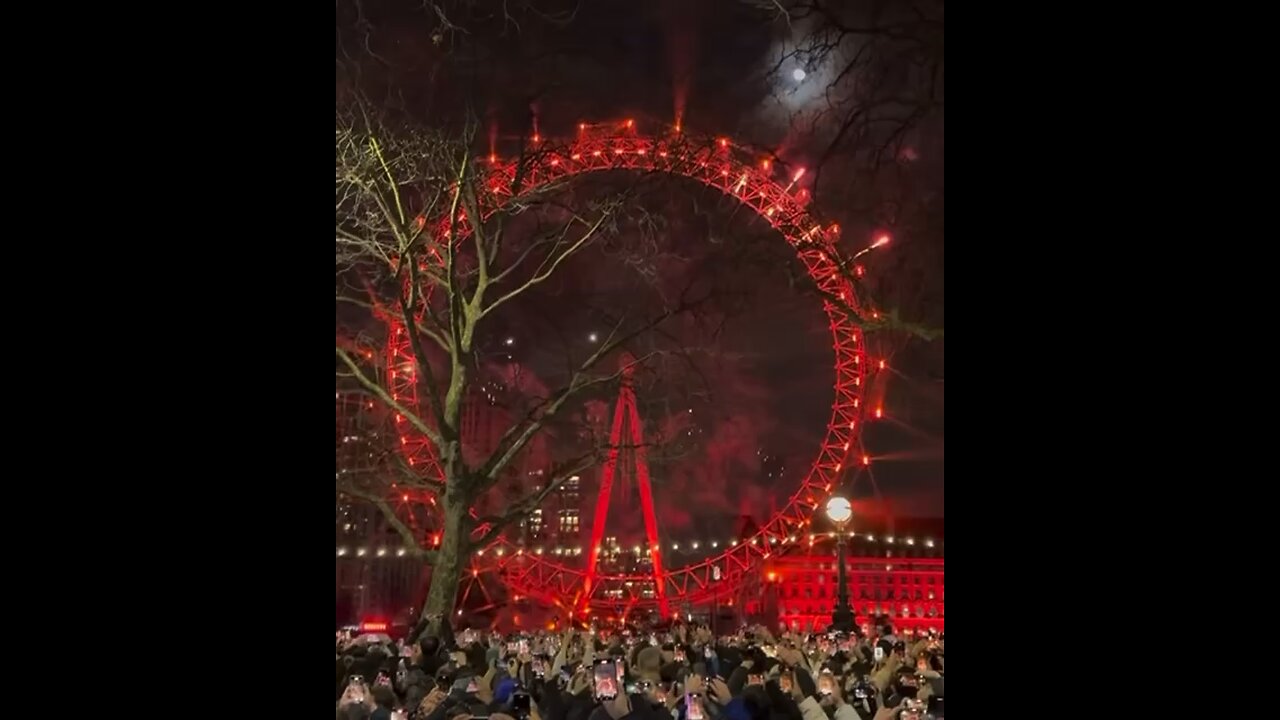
pixel 719 164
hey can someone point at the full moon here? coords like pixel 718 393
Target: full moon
pixel 798 74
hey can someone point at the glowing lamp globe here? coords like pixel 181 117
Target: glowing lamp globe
pixel 839 510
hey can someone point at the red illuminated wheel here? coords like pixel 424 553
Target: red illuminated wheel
pixel 718 164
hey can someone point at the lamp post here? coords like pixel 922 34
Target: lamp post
pixel 840 511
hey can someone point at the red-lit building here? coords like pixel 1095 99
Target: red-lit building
pixel 896 572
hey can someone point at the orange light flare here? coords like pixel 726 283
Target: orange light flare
pixel 795 178
pixel 881 240
pixel 629 124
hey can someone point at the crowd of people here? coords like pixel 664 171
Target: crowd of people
pixel 683 672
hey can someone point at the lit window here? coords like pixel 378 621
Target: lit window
pixel 569 521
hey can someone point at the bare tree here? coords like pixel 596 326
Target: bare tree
pixel 425 243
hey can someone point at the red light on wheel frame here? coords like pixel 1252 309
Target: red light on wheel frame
pixel 373 626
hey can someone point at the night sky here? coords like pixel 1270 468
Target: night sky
pixel 756 372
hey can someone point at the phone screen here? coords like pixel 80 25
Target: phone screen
pixel 693 706
pixel 606 680
pixel 878 653
pixel 520 704
pixel 709 652
pixel 539 668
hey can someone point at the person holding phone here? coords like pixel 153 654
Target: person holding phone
pixel 832 698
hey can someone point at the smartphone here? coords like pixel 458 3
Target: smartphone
pixel 356 688
pixel 520 704
pixel 606 679
pixel 472 687
pixel 539 668
pixel 935 707
pixel 522 647
pixel 755 679
pixel 878 653
pixel 679 655
pixel 693 706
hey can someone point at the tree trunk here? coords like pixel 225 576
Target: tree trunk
pixel 447 572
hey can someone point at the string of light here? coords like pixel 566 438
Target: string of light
pixel 637 550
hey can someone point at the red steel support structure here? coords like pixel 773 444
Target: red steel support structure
pixel 625 413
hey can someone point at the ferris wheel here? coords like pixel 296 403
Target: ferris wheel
pixel 580 584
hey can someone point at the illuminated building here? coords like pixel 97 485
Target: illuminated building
pixel 896 572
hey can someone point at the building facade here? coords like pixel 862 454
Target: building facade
pixel 897 573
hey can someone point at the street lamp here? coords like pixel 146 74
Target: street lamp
pixel 840 511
